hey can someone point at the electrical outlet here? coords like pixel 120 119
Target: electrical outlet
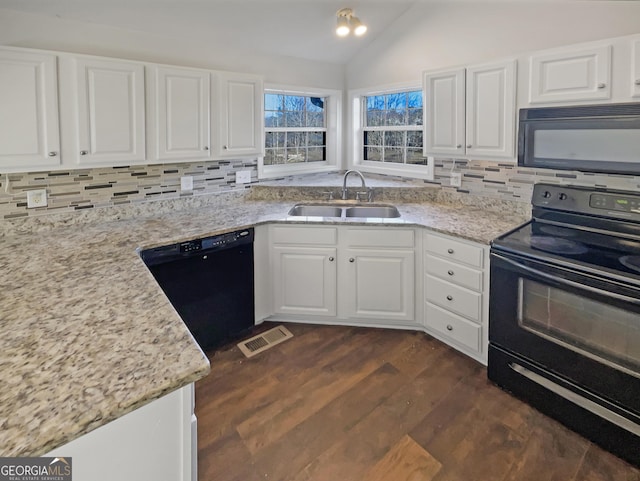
pixel 36 198
pixel 431 168
pixel 243 177
pixel 186 183
pixel 456 179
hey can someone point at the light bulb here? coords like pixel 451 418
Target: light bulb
pixel 358 27
pixel 342 30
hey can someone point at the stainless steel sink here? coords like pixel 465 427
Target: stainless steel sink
pixel 316 210
pixel 349 210
pixel 380 211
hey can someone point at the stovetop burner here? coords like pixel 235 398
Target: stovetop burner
pixel 631 262
pixel 557 245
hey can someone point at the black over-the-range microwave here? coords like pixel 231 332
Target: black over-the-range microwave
pixel 590 138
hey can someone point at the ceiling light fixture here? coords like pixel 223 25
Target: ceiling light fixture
pixel 347 22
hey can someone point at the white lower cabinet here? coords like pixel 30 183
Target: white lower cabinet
pixel 456 293
pixel 156 442
pixel 343 274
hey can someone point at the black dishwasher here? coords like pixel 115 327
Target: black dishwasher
pixel 210 283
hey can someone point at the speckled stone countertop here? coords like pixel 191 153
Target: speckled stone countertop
pixel 86 333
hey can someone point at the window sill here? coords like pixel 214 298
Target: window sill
pixel 275 171
pixel 400 170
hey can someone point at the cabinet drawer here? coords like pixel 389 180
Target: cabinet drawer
pixel 454 298
pixel 391 237
pixel 453 327
pixel 454 272
pixel 454 249
pixel 303 235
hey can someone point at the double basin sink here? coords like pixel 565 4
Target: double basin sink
pixel 345 210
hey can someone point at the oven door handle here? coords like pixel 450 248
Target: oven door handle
pixel 560 280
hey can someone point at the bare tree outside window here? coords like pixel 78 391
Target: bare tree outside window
pixel 295 129
pixel 393 128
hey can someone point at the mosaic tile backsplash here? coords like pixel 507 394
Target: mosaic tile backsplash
pixel 76 190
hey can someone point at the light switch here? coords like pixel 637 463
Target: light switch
pixel 243 177
pixel 36 198
pixel 186 183
pixel 456 179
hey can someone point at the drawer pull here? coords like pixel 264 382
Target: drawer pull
pixel 351 259
pixel 330 259
pixel 449 298
pixel 450 273
pixel 450 251
pixel 449 327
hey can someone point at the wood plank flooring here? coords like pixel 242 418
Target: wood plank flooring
pixel 350 404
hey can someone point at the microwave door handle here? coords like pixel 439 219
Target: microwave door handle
pixel 560 280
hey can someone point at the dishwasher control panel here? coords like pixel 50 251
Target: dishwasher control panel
pixel 191 246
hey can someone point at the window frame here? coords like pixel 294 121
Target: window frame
pixel 332 129
pixel 355 148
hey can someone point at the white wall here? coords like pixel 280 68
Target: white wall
pixel 436 35
pixel 19 29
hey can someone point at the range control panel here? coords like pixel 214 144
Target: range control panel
pixel 623 203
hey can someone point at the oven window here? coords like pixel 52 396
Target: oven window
pixel 601 331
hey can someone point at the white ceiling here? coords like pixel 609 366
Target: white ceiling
pixel 294 28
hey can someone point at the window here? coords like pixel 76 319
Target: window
pixel 392 128
pixel 295 129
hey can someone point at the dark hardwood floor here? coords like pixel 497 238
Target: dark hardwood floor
pixel 351 404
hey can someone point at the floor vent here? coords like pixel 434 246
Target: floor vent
pixel 264 341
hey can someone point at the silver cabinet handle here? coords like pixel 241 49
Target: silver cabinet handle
pixel 637 82
pixel 351 259
pixel 450 251
pixel 84 152
pixel 469 146
pixel 205 148
pixel 330 259
pixel 459 146
pixel 53 154
pixel 601 86
pixel 450 273
pixel 449 327
pixel 449 298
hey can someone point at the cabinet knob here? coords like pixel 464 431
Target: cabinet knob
pixel 450 273
pixel 459 146
pixel 53 154
pixel 330 259
pixel 351 259
pixel 601 86
pixel 637 82
pixel 84 152
pixel 205 148
pixel 449 327
pixel 450 251
pixel 225 147
pixel 469 146
pixel 449 297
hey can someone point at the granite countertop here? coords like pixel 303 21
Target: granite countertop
pixel 88 335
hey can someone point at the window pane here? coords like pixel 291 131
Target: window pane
pixel 296 139
pixel 315 119
pixel 315 154
pixel 273 118
pixel 414 117
pixel 294 103
pixel 274 156
pixel 393 154
pixel 273 102
pixel 397 101
pixel 395 139
pixel 415 99
pixel 373 137
pixel 316 138
pixel 294 119
pixel 414 138
pixel 375 118
pixel 373 153
pixel 414 156
pixel 375 102
pixel 396 117
pixel 315 104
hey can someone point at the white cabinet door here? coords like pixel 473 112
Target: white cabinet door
pixel 491 109
pixel 111 120
pixel 304 280
pixel 29 126
pixel 241 109
pixel 182 107
pixel 571 75
pixel 444 106
pixel 635 68
pixel 380 284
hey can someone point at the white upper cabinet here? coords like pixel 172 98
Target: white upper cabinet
pixel 241 114
pixel 445 112
pixel 182 113
pixel 490 127
pixel 471 112
pixel 635 68
pixel 110 114
pixel 29 126
pixel 571 75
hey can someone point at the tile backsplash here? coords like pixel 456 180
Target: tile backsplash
pixel 74 190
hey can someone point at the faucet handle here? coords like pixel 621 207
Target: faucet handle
pixel 364 194
pixel 329 194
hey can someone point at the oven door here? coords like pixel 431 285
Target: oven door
pixel 579 327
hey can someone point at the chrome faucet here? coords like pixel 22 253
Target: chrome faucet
pixel 369 192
